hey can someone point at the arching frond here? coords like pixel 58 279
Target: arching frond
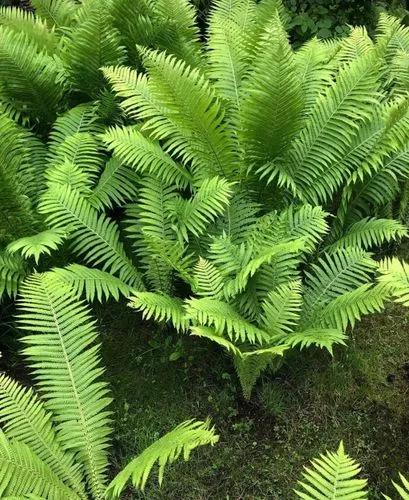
pixel 116 186
pixel 24 419
pixel 333 276
pixel 181 441
pixel 161 307
pixel 324 338
pixel 394 274
pixel 94 236
pixel 94 284
pixel 210 334
pixel 21 471
pixel 145 155
pixel 61 351
pixel 38 244
pixel 369 232
pixel 333 475
pixel 224 318
pixel 311 163
pixel 22 21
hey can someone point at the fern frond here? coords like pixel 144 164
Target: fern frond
pixel 324 338
pixel 57 13
pixel 394 274
pixel 145 156
pixel 161 307
pixel 350 306
pixel 65 361
pixel 311 163
pixel 334 275
pixel 369 232
pixel 28 78
pixel 12 273
pixel 281 310
pixel 92 44
pixel 93 283
pixel 116 186
pixel 333 475
pixel 224 318
pixel 22 471
pixel 182 440
pixel 271 107
pixel 210 334
pixel 402 488
pixel 94 236
pixel 250 364
pixel 38 244
pixel 208 280
pixel 193 215
pixel 24 419
pixel 22 21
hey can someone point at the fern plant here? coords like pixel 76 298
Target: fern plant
pixel 335 476
pixel 236 196
pixel 55 441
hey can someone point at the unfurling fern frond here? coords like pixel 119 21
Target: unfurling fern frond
pixel 182 440
pixel 333 475
pixel 60 346
pixel 38 244
pixel 161 307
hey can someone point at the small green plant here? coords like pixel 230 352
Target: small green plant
pixel 335 476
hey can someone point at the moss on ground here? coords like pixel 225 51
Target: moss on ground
pixel 361 395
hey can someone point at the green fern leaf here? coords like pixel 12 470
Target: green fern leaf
pixel 208 279
pixel 333 475
pixel 182 440
pixel 24 419
pixel 324 338
pixel 93 283
pixel 38 244
pixel 61 347
pixel 161 307
pixel 21 471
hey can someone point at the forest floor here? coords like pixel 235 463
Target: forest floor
pixel 361 396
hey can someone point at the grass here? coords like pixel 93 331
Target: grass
pixel 361 395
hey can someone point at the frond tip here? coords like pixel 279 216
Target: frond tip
pixel 333 475
pixel 182 440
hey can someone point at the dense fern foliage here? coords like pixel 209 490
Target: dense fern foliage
pixel 235 188
pixel 54 442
